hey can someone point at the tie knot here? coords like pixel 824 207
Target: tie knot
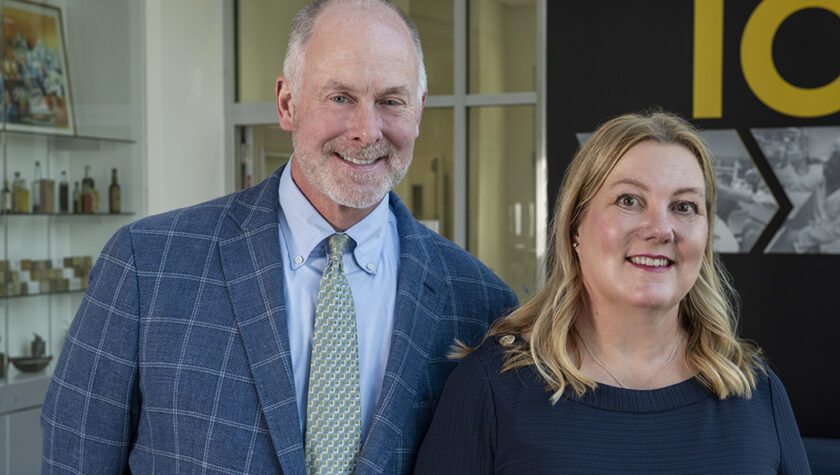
pixel 338 244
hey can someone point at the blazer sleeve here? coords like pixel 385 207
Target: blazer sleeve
pixel 91 407
pixel 462 435
pixel 794 460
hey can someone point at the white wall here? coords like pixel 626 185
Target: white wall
pixel 185 103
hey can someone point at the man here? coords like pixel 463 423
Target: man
pixel 213 338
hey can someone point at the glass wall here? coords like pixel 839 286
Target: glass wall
pixel 427 187
pixel 262 149
pixel 502 171
pixel 473 178
pixel 502 46
pixel 262 28
pixel 434 21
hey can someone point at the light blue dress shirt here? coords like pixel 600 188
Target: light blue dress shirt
pixel 371 270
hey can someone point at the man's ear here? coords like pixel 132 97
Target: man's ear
pixel 285 108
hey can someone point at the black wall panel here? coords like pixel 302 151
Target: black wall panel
pixel 610 57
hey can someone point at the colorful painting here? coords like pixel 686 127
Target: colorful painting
pixel 34 80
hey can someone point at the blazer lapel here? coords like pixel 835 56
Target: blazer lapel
pixel 252 266
pixel 421 295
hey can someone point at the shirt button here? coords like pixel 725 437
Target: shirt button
pixel 298 259
pixel 370 267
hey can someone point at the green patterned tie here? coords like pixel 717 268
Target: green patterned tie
pixel 333 409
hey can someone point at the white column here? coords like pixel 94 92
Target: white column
pixel 185 102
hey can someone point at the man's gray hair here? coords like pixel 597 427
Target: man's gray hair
pixel 304 23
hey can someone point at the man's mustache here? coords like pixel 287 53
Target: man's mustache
pixel 367 153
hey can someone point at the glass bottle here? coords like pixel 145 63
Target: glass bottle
pixel 77 199
pixel 94 200
pixel 36 188
pixel 15 197
pixel 88 190
pixel 6 198
pixel 20 195
pixel 63 193
pixel 114 193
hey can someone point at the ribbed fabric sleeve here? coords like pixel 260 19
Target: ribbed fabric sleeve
pixel 793 451
pixel 503 423
pixel 471 402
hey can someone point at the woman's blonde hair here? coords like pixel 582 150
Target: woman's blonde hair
pixel 708 314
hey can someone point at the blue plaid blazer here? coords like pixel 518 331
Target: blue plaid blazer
pixel 178 358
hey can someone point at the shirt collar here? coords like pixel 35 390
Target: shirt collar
pixel 311 229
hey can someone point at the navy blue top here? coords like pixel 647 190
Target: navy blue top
pixel 493 422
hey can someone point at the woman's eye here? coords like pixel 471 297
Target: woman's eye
pixel 686 207
pixel 627 201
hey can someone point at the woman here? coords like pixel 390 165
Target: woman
pixel 627 360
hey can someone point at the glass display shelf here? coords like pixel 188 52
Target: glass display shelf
pixel 17 376
pixel 58 139
pixel 41 294
pixel 66 215
pixel 46 257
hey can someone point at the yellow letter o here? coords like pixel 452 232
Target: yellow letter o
pixel 760 71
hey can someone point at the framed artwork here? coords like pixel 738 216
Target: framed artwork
pixel 35 81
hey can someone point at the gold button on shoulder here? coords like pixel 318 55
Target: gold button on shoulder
pixel 507 340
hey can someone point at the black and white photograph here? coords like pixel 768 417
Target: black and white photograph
pixel 745 203
pixel 806 161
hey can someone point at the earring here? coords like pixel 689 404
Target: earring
pixel 574 244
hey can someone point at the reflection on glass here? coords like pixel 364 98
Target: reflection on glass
pixel 427 188
pixel 502 46
pixel 261 149
pixel 434 22
pixel 262 31
pixel 502 175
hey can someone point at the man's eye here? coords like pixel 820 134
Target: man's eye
pixel 339 99
pixel 627 201
pixel 391 102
